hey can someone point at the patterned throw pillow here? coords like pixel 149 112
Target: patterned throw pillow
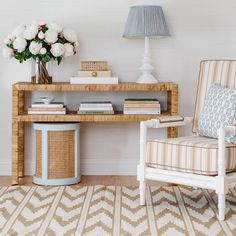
pixel 219 109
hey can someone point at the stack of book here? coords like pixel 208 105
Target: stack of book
pixel 142 107
pixel 94 72
pixel 95 108
pixel 40 108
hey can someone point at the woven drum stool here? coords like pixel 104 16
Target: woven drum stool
pixel 57 154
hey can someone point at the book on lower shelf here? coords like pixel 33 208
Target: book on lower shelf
pixel 95 104
pixel 96 108
pixel 142 113
pixel 38 108
pixel 35 112
pixel 50 105
pixel 95 112
pixel 142 107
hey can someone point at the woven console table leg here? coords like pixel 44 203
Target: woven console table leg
pixel 21 150
pixel 15 152
pixel 172 132
pixel 17 135
pixel 172 107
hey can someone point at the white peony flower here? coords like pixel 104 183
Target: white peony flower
pixel 7 41
pixel 70 35
pixel 18 31
pixel 41 35
pixel 30 32
pixel 69 50
pixel 57 49
pixel 35 47
pixel 7 52
pixel 76 44
pixel 43 51
pixel 19 44
pixel 51 36
pixel 41 23
pixel 58 28
pixel 10 38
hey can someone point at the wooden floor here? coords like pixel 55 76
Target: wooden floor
pixel 88 180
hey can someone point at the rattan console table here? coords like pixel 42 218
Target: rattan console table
pixel 20 116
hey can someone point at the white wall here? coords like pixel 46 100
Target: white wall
pixel 200 29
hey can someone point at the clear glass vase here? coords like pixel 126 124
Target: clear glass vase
pixel 41 72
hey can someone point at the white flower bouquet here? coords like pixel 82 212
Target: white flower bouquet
pixel 42 42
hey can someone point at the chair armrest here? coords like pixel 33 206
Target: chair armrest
pixel 158 123
pixel 230 130
pixel 188 119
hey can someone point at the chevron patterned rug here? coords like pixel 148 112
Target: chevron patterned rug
pixel 110 210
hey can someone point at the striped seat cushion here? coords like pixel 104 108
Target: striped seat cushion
pixel 192 154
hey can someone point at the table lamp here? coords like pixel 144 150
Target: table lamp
pixel 147 22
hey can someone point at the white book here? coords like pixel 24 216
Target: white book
pixel 95 105
pixel 46 112
pixel 141 109
pixel 43 105
pixel 97 73
pixel 94 80
pixel 142 113
pixel 95 112
pixel 96 108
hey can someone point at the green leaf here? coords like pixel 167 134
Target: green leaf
pixel 23 56
pixel 27 54
pixel 44 29
pixel 59 59
pixel 38 40
pixel 10 45
pixel 46 58
pixel 61 40
pixel 19 57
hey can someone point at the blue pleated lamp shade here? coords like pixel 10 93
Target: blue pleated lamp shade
pixel 146 21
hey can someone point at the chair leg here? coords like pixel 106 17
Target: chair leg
pixel 221 206
pixel 142 192
pixel 221 183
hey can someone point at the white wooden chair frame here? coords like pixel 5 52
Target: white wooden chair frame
pixel 220 183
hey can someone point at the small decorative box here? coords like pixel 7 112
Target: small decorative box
pixel 94 73
pixel 94 66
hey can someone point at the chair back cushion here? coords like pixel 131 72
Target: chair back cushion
pixel 222 72
pixel 219 110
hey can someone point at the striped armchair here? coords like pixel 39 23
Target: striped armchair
pixel 195 161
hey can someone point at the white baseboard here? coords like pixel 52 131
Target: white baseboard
pixel 88 167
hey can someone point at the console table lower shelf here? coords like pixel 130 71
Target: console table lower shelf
pixel 20 117
pixel 74 117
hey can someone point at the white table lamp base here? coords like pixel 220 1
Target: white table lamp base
pixel 146 69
